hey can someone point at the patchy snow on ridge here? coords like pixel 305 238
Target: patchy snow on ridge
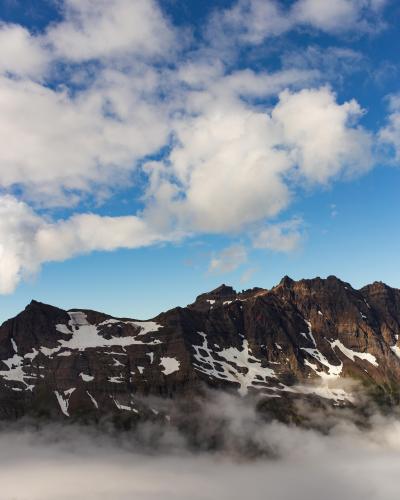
pixel 334 371
pixel 396 350
pixel 93 400
pixel 15 372
pixel 309 335
pixel 170 365
pixel 146 326
pixel 236 365
pixel 85 377
pixel 85 336
pixel 122 406
pixel 354 354
pixel 63 400
pixel 14 345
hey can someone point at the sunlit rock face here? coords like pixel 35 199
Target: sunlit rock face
pixel 299 340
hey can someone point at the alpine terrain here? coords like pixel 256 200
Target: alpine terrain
pixel 301 340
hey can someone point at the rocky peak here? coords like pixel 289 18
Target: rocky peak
pixel 81 362
pixel 218 296
pixel 286 282
pixel 222 292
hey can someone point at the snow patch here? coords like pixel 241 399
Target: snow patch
pixel 93 400
pixel 232 365
pixel 146 326
pixel 122 406
pixel 354 354
pixel 334 371
pixel 170 365
pixel 86 336
pixel 309 335
pixel 14 345
pixel 15 372
pixel 63 400
pixel 396 349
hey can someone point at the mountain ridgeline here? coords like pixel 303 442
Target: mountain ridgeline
pixel 301 340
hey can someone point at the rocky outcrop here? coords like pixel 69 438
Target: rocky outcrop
pixel 301 339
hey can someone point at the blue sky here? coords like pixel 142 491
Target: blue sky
pixel 153 151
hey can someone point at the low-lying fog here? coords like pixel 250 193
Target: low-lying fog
pixel 67 462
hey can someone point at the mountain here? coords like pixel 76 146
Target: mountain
pixel 300 340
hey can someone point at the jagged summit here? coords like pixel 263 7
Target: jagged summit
pixel 219 293
pixel 286 281
pixel 36 304
pixel 296 340
pixel 223 291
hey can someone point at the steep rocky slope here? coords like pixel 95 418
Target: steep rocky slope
pixel 300 339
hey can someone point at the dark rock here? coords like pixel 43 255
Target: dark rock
pixel 298 340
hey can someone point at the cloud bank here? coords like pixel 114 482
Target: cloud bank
pixel 62 462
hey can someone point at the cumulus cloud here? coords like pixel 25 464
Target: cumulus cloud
pixel 55 142
pixel 231 160
pixel 322 135
pixel 337 15
pixel 28 240
pixel 390 133
pixel 94 29
pixel 21 54
pixel 280 237
pixel 105 98
pixel 228 260
pixel 254 21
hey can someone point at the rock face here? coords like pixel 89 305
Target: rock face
pixel 298 340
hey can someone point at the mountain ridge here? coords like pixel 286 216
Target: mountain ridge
pixel 298 340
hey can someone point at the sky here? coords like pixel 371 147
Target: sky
pixel 151 151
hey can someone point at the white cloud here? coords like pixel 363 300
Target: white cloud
pixel 280 237
pixel 228 260
pixel 254 21
pixel 52 141
pixel 251 20
pixel 20 53
pixel 335 15
pixel 239 142
pixel 229 165
pixel 322 135
pixel 390 133
pixel 95 29
pixel 27 240
pixel 18 226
